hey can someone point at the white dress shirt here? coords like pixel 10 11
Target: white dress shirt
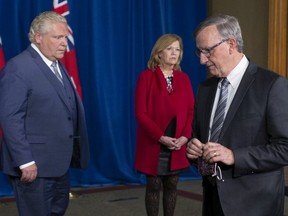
pixel 234 79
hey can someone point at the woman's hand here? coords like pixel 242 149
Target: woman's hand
pixel 169 142
pixel 180 142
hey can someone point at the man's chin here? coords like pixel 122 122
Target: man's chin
pixel 60 56
pixel 212 72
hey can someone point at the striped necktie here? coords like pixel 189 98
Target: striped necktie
pixel 220 111
pixel 204 167
pixel 56 71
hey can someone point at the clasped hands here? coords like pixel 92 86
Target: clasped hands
pixel 211 152
pixel 173 143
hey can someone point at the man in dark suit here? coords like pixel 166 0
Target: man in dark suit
pixel 243 167
pixel 43 121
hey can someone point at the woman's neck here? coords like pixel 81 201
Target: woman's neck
pixel 167 71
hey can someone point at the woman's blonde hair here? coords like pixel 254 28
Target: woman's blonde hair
pixel 162 43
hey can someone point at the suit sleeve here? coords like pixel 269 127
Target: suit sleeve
pixel 273 152
pixel 13 99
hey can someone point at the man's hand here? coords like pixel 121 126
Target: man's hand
pixel 194 149
pixel 29 173
pixel 215 152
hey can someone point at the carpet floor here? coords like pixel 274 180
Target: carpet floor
pixel 122 201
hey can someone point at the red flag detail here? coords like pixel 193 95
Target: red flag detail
pixel 2 59
pixel 61 9
pixel 70 63
pixel 2 63
pixel 69 59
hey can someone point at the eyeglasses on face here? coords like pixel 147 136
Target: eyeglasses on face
pixel 207 51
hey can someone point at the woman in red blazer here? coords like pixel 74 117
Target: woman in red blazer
pixel 164 107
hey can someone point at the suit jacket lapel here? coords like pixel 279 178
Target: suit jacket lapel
pixel 49 75
pixel 245 84
pixel 211 92
pixel 69 82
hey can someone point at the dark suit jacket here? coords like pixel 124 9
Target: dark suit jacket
pixel 37 119
pixel 256 129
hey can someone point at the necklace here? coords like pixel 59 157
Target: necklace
pixel 169 79
pixel 168 74
pixel 169 87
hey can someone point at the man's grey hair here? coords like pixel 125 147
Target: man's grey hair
pixel 42 23
pixel 227 26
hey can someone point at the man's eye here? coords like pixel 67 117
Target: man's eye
pixel 58 37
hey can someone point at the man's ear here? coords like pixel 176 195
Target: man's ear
pixel 232 43
pixel 37 37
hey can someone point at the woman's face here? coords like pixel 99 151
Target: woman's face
pixel 170 55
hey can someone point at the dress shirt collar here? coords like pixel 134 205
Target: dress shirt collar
pixel 237 73
pixel 46 60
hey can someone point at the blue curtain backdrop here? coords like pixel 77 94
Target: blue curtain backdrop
pixel 113 41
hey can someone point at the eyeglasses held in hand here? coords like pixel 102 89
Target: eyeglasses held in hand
pixel 218 172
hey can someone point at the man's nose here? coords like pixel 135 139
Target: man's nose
pixel 203 58
pixel 65 41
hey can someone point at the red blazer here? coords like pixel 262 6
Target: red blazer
pixel 154 109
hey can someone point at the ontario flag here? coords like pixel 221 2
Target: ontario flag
pixel 2 63
pixel 2 59
pixel 69 59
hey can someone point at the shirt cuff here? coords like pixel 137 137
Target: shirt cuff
pixel 26 165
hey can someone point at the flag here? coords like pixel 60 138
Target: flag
pixel 69 59
pixel 2 59
pixel 2 63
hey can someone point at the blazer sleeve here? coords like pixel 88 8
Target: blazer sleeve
pixel 187 130
pixel 269 150
pixel 13 99
pixel 141 110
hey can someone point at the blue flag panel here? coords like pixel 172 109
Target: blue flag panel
pixel 113 40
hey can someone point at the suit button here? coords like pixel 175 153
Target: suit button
pixel 71 136
pixel 69 118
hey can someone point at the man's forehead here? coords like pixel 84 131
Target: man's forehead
pixel 207 34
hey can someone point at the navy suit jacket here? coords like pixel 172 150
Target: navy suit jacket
pixel 37 119
pixel 256 129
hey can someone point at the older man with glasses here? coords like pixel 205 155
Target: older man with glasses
pixel 240 128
